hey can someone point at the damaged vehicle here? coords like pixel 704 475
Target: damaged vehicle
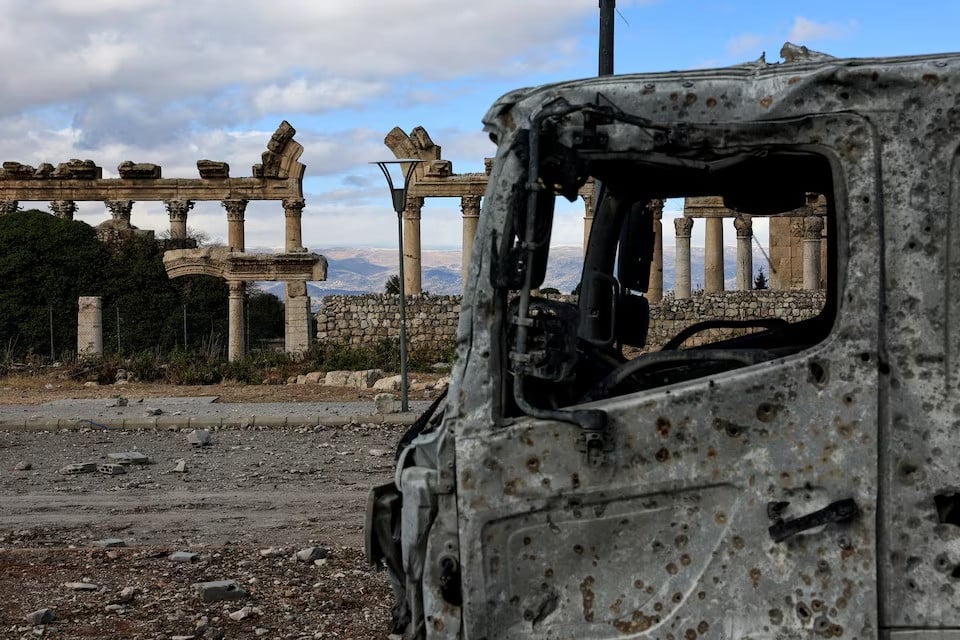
pixel 797 480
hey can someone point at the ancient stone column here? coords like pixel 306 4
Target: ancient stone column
pixel 64 209
pixel 812 228
pixel 90 327
pixel 681 286
pixel 236 341
pixel 655 286
pixel 588 211
pixel 235 210
pixel 411 247
pixel 297 316
pixel 178 210
pixel 8 206
pixel 293 213
pixel 470 206
pixel 120 212
pixel 744 226
pixel 713 258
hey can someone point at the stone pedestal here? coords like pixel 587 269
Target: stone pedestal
pixel 744 226
pixel 235 210
pixel 64 209
pixel 297 317
pixel 90 327
pixel 236 341
pixel 681 287
pixel 812 229
pixel 178 210
pixel 412 264
pixel 470 207
pixel 655 286
pixel 293 213
pixel 713 258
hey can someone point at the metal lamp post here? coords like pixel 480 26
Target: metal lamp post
pixel 399 198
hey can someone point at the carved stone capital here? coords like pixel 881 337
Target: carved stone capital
pixel 744 226
pixel 655 207
pixel 293 207
pixel 470 206
pixel 296 288
pixel 64 209
pixel 412 210
pixel 8 206
pixel 683 227
pixel 178 209
pixel 812 227
pixel 119 209
pixel 235 209
pixel 237 288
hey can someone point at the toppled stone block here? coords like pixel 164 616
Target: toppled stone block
pixel 314 377
pixel 81 467
pixel 199 438
pixel 183 557
pixel 301 379
pixel 219 590
pixel 129 457
pixel 337 378
pixel 386 403
pixel 212 170
pixel 111 469
pixel 78 170
pixel 109 543
pixel 181 467
pixel 17 171
pixel 390 383
pixel 311 553
pixel 138 170
pixel 364 379
pixel 41 616
pixel 272 552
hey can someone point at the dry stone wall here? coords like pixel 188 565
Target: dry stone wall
pixel 368 319
pixel 432 320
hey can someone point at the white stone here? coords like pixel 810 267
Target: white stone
pixel 386 403
pixel 390 383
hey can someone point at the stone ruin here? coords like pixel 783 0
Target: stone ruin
pixel 279 176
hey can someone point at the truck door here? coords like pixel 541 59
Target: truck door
pixel 733 505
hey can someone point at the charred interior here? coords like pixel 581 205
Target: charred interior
pixel 565 354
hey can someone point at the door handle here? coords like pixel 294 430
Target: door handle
pixel 839 511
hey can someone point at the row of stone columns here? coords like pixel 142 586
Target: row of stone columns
pixel 412 254
pixel 713 258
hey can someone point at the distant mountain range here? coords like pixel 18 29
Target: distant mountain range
pixel 358 271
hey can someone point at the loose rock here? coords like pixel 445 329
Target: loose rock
pixel 199 438
pixel 184 557
pixel 23 466
pixel 219 590
pixel 41 616
pixel 311 553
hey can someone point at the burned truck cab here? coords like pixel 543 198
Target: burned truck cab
pixel 783 478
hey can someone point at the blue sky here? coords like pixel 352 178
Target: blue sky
pixel 170 82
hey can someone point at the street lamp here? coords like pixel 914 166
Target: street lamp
pixel 399 197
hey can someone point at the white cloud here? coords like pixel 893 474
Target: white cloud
pixel 747 43
pixel 805 30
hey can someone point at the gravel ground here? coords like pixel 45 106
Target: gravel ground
pixel 244 505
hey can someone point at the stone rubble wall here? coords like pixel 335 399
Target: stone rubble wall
pixel 368 319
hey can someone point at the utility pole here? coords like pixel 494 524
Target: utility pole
pixel 607 13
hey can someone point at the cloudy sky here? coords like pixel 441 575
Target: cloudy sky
pixel 171 82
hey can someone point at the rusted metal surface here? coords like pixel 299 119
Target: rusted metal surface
pixel 813 494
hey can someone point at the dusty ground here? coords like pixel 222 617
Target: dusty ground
pixel 250 492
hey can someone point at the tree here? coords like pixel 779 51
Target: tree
pixel 46 264
pixel 265 315
pixel 392 287
pixel 760 282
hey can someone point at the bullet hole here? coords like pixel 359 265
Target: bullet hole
pixel 578 549
pixel 848 399
pixel 663 455
pixel 955 573
pixel 948 508
pixel 702 627
pixel 677 597
pixel 912 585
pixel 803 612
pixel 822 625
pixel 533 464
pixel 680 542
pixel 865 357
pixel 942 563
pixel 776 616
pixel 526 540
pixel 672 569
pixel 818 374
pixel 766 412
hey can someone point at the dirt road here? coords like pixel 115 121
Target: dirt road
pixel 244 505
